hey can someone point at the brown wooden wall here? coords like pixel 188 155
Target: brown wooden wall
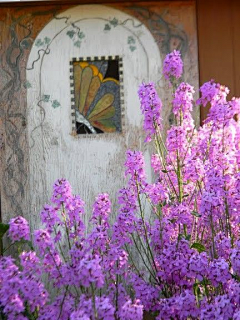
pixel 219 43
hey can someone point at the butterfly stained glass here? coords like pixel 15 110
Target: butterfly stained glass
pixel 97 95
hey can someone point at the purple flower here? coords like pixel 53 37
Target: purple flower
pixel 156 163
pixel 135 168
pixel 212 92
pixel 30 262
pixel 157 193
pixel 183 99
pixel 49 217
pixel 104 308
pixel 176 139
pixel 131 310
pixel 19 229
pixel 151 107
pixel 173 66
pixel 90 271
pixel 61 191
pixel 101 209
pixel 43 240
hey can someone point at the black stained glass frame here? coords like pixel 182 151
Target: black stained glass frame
pixel 112 60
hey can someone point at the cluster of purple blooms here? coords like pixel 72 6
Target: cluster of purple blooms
pixel 180 262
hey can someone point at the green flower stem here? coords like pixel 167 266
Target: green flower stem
pixel 144 226
pixel 144 262
pixel 132 261
pixel 164 166
pixel 60 247
pixel 94 303
pixel 179 178
pixel 64 297
pixel 66 227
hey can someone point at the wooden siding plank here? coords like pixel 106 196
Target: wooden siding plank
pixel 216 57
pixel 236 45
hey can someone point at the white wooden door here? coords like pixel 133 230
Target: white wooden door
pixel 93 163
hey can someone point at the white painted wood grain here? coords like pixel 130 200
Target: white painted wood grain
pixel 92 164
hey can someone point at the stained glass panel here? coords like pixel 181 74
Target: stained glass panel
pixel 96 97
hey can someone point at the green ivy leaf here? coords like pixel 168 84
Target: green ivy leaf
pixel 107 27
pixel 3 229
pixel 71 33
pixel 55 104
pixel 132 48
pixel 27 85
pixel 47 40
pixel 77 44
pixel 198 246
pixel 81 35
pixel 39 43
pixel 46 98
pixel 131 40
pixel 114 22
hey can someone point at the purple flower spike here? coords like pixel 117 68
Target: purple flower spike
pixel 151 107
pixel 62 191
pixel 19 229
pixel 173 66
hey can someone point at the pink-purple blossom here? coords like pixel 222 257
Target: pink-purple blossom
pixel 173 66
pixel 19 229
pixel 169 248
pixel 151 107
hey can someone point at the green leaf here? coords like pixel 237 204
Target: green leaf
pixel 236 277
pixel 132 48
pixel 55 104
pixel 81 35
pixel 164 171
pixel 46 98
pixel 198 246
pixel 131 40
pixel 107 27
pixel 196 289
pixel 27 85
pixel 114 22
pixel 188 237
pixel 3 229
pixel 71 33
pixel 185 195
pixel 39 43
pixel 196 214
pixel 47 40
pixel 77 43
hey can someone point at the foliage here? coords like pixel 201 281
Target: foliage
pixel 182 263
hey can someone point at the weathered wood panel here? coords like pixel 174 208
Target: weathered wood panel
pixel 43 133
pixel 219 44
